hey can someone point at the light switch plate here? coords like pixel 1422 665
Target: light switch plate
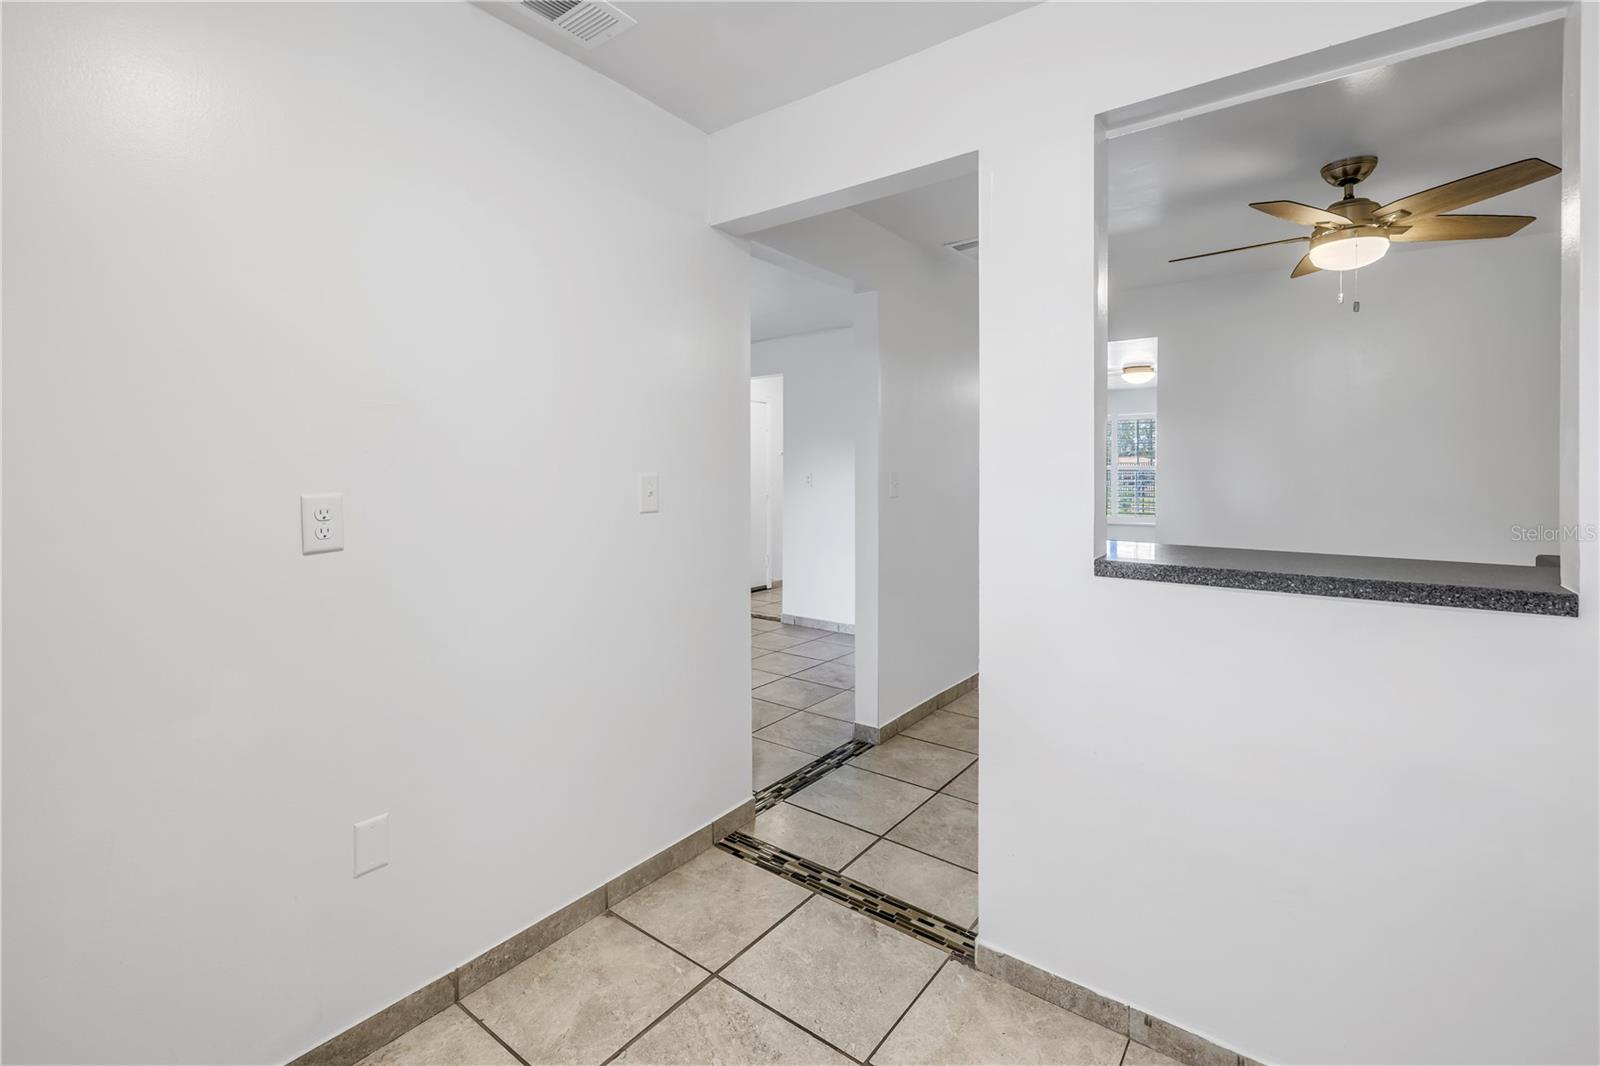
pixel 649 493
pixel 894 486
pixel 372 844
pixel 321 523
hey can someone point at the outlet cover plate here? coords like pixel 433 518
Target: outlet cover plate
pixel 322 523
pixel 372 844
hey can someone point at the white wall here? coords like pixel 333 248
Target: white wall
pixel 819 474
pixel 769 390
pixel 258 250
pixel 1327 831
pixel 926 390
pixel 1422 427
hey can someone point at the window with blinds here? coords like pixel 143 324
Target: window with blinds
pixel 1131 466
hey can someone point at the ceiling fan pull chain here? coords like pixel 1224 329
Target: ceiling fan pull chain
pixel 1356 306
pixel 1341 286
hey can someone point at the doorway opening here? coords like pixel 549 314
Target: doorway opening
pixel 863 550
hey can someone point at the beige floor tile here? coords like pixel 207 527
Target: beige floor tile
pixel 804 631
pixel 1139 1055
pixel 839 974
pixel 868 801
pixel 842 707
pixel 966 1017
pixel 763 625
pixel 848 660
pixel 836 674
pixel 720 1024
pixel 583 997
pixel 809 732
pixel 966 785
pixel 763 714
pixel 793 692
pixel 783 663
pixel 932 884
pixel 768 762
pixel 821 650
pixel 951 730
pixel 776 640
pixel 844 640
pixel 921 763
pixel 812 836
pixel 759 678
pixel 712 906
pixel 967 705
pixel 449 1038
pixel 945 827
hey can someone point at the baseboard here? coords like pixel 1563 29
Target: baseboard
pixel 816 623
pixel 367 1036
pixel 877 734
pixel 1141 1028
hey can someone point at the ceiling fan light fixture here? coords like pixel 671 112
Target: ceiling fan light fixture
pixel 1350 248
pixel 1138 373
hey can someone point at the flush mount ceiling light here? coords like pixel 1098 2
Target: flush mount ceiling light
pixel 1138 373
pixel 1355 231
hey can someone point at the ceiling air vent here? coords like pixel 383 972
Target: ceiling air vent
pixel 589 22
pixel 966 248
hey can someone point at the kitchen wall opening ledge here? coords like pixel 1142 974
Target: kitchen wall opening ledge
pixel 1533 589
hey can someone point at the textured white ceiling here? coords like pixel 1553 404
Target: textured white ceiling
pixel 714 64
pixel 1184 188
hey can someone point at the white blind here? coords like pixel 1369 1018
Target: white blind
pixel 1131 466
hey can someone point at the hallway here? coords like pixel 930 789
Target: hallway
pixel 901 817
pixel 397 398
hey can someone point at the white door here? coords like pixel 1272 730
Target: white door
pixel 760 495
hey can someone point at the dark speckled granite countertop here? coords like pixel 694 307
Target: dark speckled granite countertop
pixel 1477 586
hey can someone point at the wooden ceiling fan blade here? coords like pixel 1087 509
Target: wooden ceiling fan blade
pixel 1300 214
pixel 1304 267
pixel 1460 227
pixel 1469 190
pixel 1241 248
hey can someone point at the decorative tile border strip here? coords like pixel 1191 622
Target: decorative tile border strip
pixel 784 787
pixel 857 895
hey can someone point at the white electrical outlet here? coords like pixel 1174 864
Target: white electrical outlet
pixel 649 493
pixel 321 523
pixel 894 486
pixel 372 844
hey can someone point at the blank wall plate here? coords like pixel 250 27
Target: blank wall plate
pixel 372 844
pixel 321 523
pixel 649 493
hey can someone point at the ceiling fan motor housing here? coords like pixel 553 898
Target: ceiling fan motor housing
pixel 1342 173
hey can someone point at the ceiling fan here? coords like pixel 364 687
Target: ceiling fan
pixel 1355 231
